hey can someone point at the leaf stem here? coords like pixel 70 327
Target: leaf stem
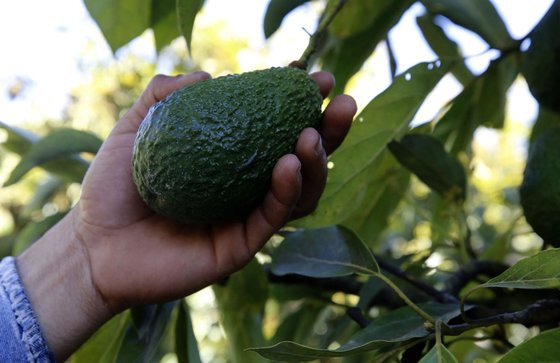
pixel 313 46
pixel 405 298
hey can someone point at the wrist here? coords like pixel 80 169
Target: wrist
pixel 56 275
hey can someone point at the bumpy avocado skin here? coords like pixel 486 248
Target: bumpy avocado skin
pixel 540 189
pixel 206 152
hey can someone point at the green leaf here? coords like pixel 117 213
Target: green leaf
pixel 275 13
pixel 389 183
pixel 541 271
pixel 344 57
pixel 120 21
pixel 482 102
pixel 100 348
pixel 135 348
pixel 241 304
pixel 542 348
pixel 439 354
pixel 33 231
pixel 326 252
pixel 427 159
pixel 186 346
pixel 57 144
pixel 480 16
pixel 186 12
pixel 357 16
pixel 43 193
pixel 19 140
pixel 296 325
pixel 396 326
pixel 164 22
pixel 445 48
pixel 355 163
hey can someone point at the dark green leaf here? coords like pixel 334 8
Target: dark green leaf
pixel 186 11
pixel 369 291
pixel 355 163
pixel 445 48
pixel 296 325
pixel 186 346
pixel 100 348
pixel 541 271
pixel 164 22
pixel 326 252
pixel 482 102
pixel 275 13
pixel 33 231
pixel 120 21
pixel 241 303
pixel 345 57
pixel 357 16
pixel 142 317
pixel 396 326
pixel 540 62
pixel 427 159
pixel 480 16
pixel 439 354
pixel 542 348
pixel 19 140
pixel 54 146
pixel 144 349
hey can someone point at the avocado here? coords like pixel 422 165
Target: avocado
pixel 540 189
pixel 206 152
pixel 541 62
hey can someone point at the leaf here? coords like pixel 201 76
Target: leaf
pixel 33 231
pixel 164 22
pixel 135 348
pixel 186 12
pixel 541 271
pixel 241 304
pixel 98 348
pixel 276 12
pixel 186 346
pixel 427 159
pixel 345 57
pixel 482 102
pixel 326 252
pixel 356 161
pixel 296 325
pixel 57 144
pixel 19 140
pixel 43 193
pixel 541 348
pixel 396 326
pixel 120 21
pixel 480 16
pixel 445 48
pixel 439 354
pixel 546 120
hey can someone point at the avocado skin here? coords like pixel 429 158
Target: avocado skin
pixel 206 152
pixel 540 189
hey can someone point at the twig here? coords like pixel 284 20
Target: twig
pixel 355 313
pixel 314 40
pixel 472 270
pixel 440 296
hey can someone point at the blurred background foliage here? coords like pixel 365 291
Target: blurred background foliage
pixel 419 230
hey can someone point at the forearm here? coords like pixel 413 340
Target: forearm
pixel 56 276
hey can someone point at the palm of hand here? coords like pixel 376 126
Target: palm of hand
pixel 137 256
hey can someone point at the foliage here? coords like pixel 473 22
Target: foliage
pixel 413 253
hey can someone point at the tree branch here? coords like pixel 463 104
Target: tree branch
pixel 467 273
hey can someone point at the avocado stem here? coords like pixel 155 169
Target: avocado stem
pixel 313 46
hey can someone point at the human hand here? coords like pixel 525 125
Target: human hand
pixel 112 252
pixel 138 256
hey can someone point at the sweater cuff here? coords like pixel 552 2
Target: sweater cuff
pixel 30 332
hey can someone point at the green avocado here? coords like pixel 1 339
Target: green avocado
pixel 541 62
pixel 540 189
pixel 206 152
